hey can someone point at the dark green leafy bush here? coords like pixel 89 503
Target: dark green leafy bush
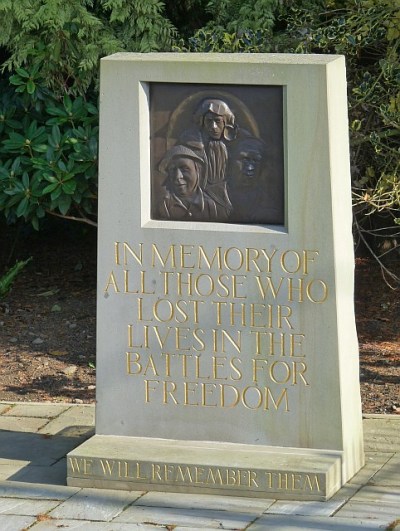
pixel 367 32
pixel 64 40
pixel 242 26
pixel 48 114
pixel 8 278
pixel 48 152
pixel 48 110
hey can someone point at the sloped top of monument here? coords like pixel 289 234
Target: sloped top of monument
pixel 270 58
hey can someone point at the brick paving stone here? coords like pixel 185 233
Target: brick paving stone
pixel 305 508
pixel 37 410
pixel 254 506
pixel 382 433
pixel 374 461
pixel 381 511
pixel 13 523
pixel 314 508
pixel 55 474
pixel 35 448
pixel 389 474
pixel 311 523
pixel 77 416
pixel 95 504
pixel 84 413
pixel 71 525
pixel 8 470
pixel 15 489
pixel 378 494
pixel 24 507
pixel 197 518
pixel 190 528
pixel 25 424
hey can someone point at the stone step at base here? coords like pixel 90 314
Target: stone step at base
pixel 139 463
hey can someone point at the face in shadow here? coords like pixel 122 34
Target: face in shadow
pixel 248 163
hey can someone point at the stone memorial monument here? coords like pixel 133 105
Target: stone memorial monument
pixel 227 357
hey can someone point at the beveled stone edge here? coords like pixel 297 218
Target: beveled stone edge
pixel 90 467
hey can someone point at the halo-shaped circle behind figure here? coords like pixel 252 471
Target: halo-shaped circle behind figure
pixel 182 117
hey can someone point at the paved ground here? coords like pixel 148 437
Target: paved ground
pixel 34 439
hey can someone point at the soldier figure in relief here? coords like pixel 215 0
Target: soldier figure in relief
pixel 215 127
pixel 247 188
pixel 185 198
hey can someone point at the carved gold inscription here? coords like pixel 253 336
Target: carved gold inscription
pixel 196 475
pixel 217 327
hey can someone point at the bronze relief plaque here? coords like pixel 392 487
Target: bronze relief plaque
pixel 217 153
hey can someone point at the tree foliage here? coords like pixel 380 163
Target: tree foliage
pixel 48 153
pixel 50 51
pixel 8 278
pixel 368 34
pixel 65 40
pixel 187 15
pixel 241 26
pixel 48 97
pixel 242 15
pixel 139 25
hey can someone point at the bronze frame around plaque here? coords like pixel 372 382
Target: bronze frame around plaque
pixel 257 126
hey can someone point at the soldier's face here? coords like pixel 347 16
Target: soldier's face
pixel 248 164
pixel 182 175
pixel 214 124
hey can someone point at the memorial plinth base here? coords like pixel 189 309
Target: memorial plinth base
pixel 133 463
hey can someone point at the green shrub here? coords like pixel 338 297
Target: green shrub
pixel 242 15
pixel 48 152
pixel 241 26
pixel 64 40
pixel 8 278
pixel 367 32
pixel 48 113
pixel 48 102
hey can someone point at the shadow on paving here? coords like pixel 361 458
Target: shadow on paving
pixel 40 458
